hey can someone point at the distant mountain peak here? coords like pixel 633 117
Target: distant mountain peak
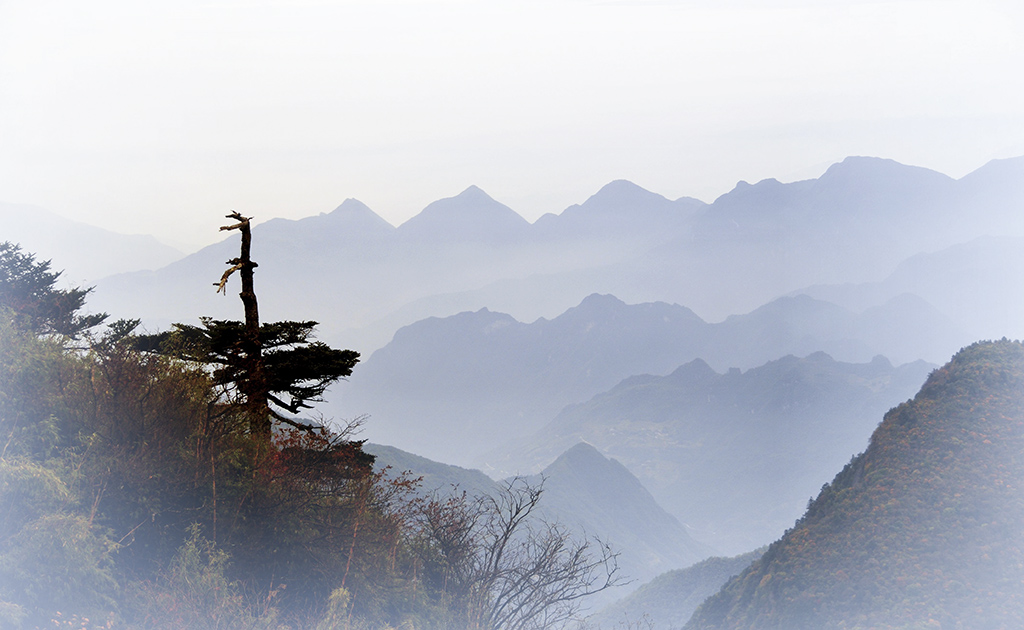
pixel 1000 178
pixel 620 197
pixel 879 170
pixel 583 480
pixel 698 369
pixel 355 211
pixel 474 190
pixel 582 451
pixel 766 193
pixel 350 204
pixel 618 187
pixel 472 215
pixel 583 458
pixel 601 299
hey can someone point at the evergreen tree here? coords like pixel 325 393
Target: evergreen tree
pixel 266 368
pixel 28 291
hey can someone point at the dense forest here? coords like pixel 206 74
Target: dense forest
pixel 170 481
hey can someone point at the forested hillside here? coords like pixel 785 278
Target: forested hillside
pixel 922 530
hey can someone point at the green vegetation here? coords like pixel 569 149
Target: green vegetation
pixel 137 492
pixel 920 531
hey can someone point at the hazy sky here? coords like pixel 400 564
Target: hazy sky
pixel 160 117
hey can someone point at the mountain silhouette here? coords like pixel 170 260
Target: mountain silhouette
pixel 472 216
pixel 489 379
pixel 974 284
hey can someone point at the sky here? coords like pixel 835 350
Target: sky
pixel 160 117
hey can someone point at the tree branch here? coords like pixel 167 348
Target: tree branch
pixel 222 286
pixel 242 221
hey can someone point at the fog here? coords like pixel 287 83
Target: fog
pixel 666 292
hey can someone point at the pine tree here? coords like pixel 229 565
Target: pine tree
pixel 269 369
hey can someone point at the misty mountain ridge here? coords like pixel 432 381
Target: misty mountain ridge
pixel 84 253
pixel 976 284
pixel 489 378
pixel 627 209
pixel 353 217
pixel 920 530
pixel 735 455
pixel 854 224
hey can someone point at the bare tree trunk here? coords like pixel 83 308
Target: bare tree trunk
pixel 254 386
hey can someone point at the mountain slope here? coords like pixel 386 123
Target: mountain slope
pixel 86 253
pixel 921 530
pixel 624 211
pixel 598 495
pixel 435 476
pixel 586 492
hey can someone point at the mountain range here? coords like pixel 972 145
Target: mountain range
pixel 510 346
pixel 492 380
pixel 735 455
pixel 363 279
pixel 977 284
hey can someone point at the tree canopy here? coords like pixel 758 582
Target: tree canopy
pixel 295 370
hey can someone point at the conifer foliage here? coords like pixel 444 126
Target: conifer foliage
pixel 28 291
